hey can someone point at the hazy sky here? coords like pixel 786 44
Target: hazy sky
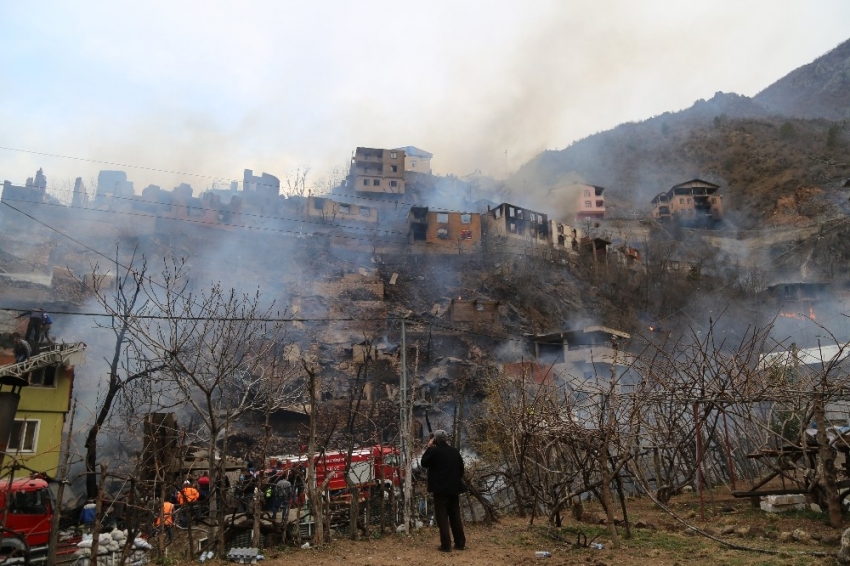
pixel 212 88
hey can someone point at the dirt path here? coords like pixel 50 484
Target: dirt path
pixel 513 541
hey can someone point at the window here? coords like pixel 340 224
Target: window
pixel 560 228
pixel 345 208
pixel 365 211
pixel 587 204
pixel 466 219
pixel 511 211
pixel 466 234
pixel 44 377
pixel 681 201
pixel 442 217
pixel 376 182
pixel 532 217
pixel 443 233
pixel 23 437
pixel 393 155
pixel 600 203
pixel 394 168
pixel 689 201
pixel 497 213
pixel 366 182
pixel 519 213
pixel 512 227
pixel 393 183
pixel 29 502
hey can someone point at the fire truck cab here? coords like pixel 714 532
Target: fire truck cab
pixel 28 509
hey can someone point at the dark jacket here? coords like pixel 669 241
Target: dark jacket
pixel 445 469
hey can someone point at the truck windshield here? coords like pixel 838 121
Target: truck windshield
pixel 29 502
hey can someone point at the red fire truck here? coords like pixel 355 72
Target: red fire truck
pixel 379 464
pixel 27 511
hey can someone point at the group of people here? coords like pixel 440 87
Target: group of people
pixel 188 496
pixel 38 331
pixel 281 489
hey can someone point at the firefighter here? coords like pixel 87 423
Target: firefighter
pixel 187 496
pixel 167 518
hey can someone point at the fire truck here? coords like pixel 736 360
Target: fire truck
pixel 27 511
pixel 379 464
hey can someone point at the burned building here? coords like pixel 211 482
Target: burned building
pixel 478 313
pixel 587 353
pixel 516 229
pixel 443 231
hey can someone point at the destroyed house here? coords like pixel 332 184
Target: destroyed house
pixel 518 227
pixel 443 231
pixel 330 210
pixel 481 314
pixel 377 171
pixel 587 353
pixel 693 202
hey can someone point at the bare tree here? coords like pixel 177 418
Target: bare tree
pixel 215 343
pixel 128 363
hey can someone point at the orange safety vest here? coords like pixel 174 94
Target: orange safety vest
pixel 187 495
pixel 167 514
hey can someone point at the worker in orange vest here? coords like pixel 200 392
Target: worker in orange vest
pixel 167 518
pixel 188 496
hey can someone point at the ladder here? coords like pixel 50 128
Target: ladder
pixel 68 355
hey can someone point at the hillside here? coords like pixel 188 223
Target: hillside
pixel 780 157
pixel 820 89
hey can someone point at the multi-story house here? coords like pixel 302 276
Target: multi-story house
pixel 377 171
pixel 35 439
pixel 693 202
pixel 518 229
pixel 416 160
pixel 590 204
pixel 443 231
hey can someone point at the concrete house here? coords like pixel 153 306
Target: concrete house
pixel 590 203
pixel 377 171
pixel 443 231
pixel 693 202
pixel 331 210
pixel 416 160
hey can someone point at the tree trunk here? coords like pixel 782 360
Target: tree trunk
pixel 826 463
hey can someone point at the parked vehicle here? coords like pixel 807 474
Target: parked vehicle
pixel 369 466
pixel 27 512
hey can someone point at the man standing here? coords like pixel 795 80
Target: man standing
pixel 22 348
pixel 445 480
pixel 283 493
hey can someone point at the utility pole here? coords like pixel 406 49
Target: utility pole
pixel 404 430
